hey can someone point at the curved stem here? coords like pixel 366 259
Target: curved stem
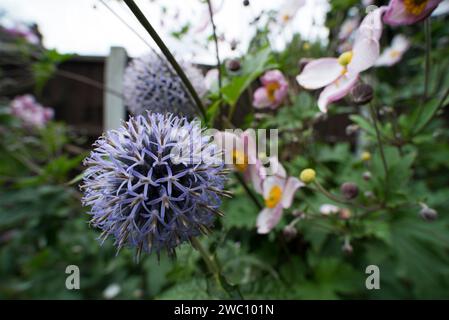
pixel 379 139
pixel 149 28
pixel 427 30
pixel 332 197
pixel 248 191
pixel 210 263
pixel 214 268
pixel 88 81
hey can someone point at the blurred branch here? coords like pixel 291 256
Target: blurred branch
pixel 88 81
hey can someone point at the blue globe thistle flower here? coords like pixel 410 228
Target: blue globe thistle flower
pixel 154 183
pixel 151 84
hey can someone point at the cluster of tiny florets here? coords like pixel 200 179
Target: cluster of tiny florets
pixel 141 196
pixel 150 83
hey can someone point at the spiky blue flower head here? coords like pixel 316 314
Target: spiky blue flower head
pixel 150 83
pixel 154 183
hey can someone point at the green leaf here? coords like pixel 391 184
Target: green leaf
pixel 363 123
pixel 240 212
pixel 252 67
pixel 196 288
pixel 422 115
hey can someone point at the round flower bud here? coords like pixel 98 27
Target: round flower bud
pixel 369 194
pixel 349 190
pixel 428 214
pixel 351 129
pixel 366 175
pixel 365 156
pixel 307 175
pixel 361 94
pixel 233 44
pixel 303 62
pixel 246 3
pixel 298 214
pixel 347 248
pixel 345 214
pixel 289 232
pixel 154 183
pixel 233 65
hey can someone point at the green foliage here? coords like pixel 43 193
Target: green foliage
pixel 252 67
pixel 44 228
pixel 46 66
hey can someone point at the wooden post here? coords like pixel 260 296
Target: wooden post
pixel 114 107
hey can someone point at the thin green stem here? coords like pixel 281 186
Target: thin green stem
pixel 379 139
pixel 217 52
pixel 327 193
pixel 333 197
pixel 428 37
pixel 214 268
pixel 248 191
pixel 148 27
pixel 445 95
pixel 231 111
pixel 207 258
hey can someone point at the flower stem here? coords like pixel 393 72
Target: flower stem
pixel 217 52
pixel 248 190
pixel 327 193
pixel 427 33
pixel 214 269
pixel 207 258
pixel 332 197
pixel 147 26
pixel 379 139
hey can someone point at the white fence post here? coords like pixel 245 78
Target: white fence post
pixel 114 107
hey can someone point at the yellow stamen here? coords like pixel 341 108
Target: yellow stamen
pixel 395 53
pixel 285 18
pixel 240 160
pixel 345 58
pixel 274 196
pixel 415 7
pixel 271 90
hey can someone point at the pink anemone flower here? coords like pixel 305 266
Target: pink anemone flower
pixel 240 153
pixel 347 28
pixel 339 75
pixel 30 112
pixel 405 12
pixel 394 53
pixel 288 10
pixel 273 91
pixel 278 192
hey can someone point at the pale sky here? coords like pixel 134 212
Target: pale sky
pixel 86 27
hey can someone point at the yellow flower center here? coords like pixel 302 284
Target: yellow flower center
pixel 240 160
pixel 274 197
pixel 395 53
pixel 271 90
pixel 285 18
pixel 415 7
pixel 345 58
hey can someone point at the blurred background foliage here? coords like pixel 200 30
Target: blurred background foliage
pixel 43 227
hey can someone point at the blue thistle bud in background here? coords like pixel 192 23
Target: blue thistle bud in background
pixel 146 194
pixel 151 84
